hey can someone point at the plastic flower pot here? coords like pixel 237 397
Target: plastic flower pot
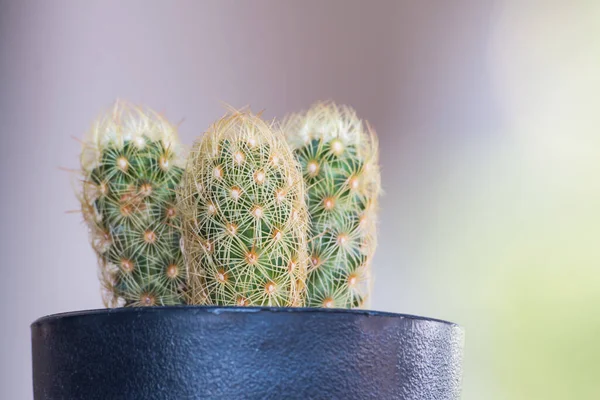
pixel 193 352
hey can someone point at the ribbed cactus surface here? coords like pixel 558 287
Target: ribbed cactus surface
pixel 339 158
pixel 130 166
pixel 243 207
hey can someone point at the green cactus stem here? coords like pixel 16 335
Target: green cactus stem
pixel 244 216
pixel 339 158
pixel 131 167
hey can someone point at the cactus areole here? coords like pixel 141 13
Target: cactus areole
pixel 201 352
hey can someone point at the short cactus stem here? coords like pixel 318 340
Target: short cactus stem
pixel 244 216
pixel 131 167
pixel 338 157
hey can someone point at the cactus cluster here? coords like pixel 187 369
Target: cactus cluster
pixel 130 172
pixel 338 155
pixel 261 214
pixel 242 201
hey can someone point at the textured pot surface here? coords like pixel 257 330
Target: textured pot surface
pixel 191 352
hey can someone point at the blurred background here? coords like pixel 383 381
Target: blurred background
pixel 489 126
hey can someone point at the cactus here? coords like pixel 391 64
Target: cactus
pixel 244 216
pixel 339 158
pixel 130 172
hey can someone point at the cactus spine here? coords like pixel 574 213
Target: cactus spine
pixel 130 167
pixel 244 216
pixel 339 158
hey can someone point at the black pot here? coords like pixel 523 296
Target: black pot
pixel 244 353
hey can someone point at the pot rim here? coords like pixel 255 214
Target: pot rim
pixel 212 309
